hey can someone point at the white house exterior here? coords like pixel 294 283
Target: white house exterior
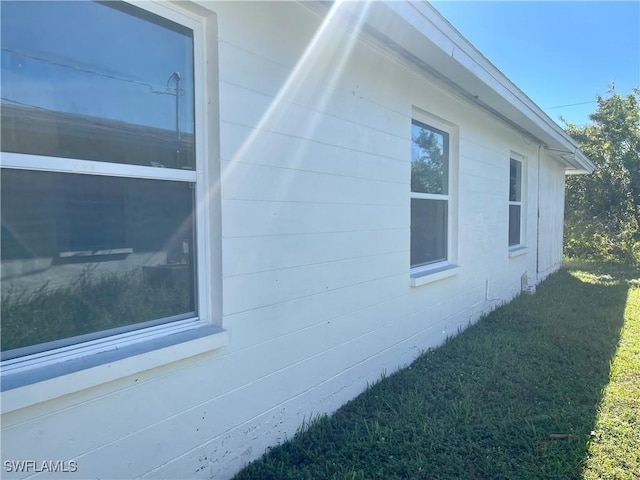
pixel 314 258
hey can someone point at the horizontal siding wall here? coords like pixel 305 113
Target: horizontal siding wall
pixel 315 183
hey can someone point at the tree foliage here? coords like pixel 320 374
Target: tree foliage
pixel 603 209
pixel 428 165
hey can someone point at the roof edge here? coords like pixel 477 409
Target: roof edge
pixel 463 51
pixel 416 32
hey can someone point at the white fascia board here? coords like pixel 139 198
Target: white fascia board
pixel 417 32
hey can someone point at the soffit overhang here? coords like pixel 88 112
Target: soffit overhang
pixel 417 33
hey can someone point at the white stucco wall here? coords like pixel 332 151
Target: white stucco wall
pixel 315 155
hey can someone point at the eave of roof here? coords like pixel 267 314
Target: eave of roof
pixel 416 32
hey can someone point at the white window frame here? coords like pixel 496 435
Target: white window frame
pixel 161 343
pixel 520 247
pixel 448 267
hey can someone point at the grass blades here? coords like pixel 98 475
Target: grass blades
pixel 614 452
pixel 546 387
pixel 89 304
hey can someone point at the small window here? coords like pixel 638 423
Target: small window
pixel 429 195
pixel 100 182
pixel 515 202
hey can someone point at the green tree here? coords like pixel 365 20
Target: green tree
pixel 428 168
pixel 603 209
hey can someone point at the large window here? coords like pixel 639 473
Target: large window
pixel 100 177
pixel 515 202
pixel 429 195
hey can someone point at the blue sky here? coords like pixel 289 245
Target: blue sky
pixel 558 53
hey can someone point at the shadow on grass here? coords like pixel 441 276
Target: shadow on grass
pixel 515 396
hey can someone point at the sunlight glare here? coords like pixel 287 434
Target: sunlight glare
pixel 309 86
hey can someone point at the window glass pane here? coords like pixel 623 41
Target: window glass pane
pixel 97 81
pixel 514 224
pixel 84 253
pixel 428 231
pixel 429 159
pixel 515 181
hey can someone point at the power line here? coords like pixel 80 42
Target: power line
pixel 571 105
pixel 154 89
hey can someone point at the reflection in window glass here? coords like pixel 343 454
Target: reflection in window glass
pixel 83 254
pixel 428 231
pixel 514 224
pixel 515 201
pixel 429 159
pixel 515 180
pixel 97 81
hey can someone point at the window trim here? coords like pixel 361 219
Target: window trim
pixel 423 274
pixel 519 248
pixel 43 163
pixel 35 385
pixel 20 372
pixel 96 345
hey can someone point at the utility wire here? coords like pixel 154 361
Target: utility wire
pixel 154 89
pixel 571 105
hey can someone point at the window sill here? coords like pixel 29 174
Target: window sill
pixel 26 388
pixel 517 250
pixel 433 275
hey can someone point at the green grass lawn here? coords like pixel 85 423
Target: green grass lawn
pixel 546 387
